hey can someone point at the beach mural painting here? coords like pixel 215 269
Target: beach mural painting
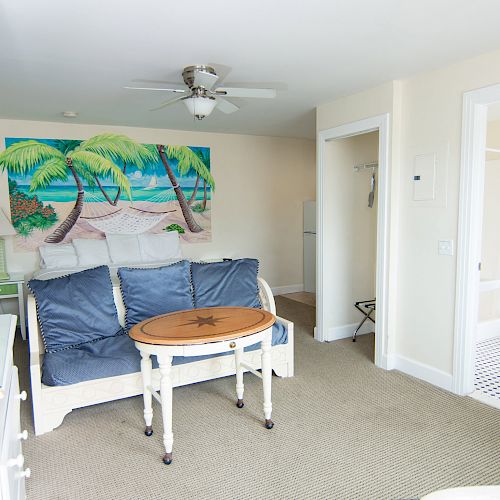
pixel 64 189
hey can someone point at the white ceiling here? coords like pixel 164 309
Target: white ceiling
pixel 76 55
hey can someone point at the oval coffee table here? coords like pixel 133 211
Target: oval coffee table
pixel 197 332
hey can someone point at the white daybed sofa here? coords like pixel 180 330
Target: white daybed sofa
pixel 52 403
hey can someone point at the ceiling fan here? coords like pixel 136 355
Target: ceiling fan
pixel 202 94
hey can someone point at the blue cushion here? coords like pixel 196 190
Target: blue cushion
pixel 110 357
pixel 229 283
pixel 104 358
pixel 154 291
pixel 76 308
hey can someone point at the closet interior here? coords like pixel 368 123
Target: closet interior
pixel 350 232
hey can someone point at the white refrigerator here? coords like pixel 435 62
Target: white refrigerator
pixel 310 246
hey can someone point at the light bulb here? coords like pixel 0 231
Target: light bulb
pixel 200 106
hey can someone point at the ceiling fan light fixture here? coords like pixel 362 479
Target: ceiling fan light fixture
pixel 200 106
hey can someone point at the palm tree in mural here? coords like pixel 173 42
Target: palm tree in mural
pixel 206 180
pixel 187 159
pixel 86 161
pixel 137 152
pixel 202 172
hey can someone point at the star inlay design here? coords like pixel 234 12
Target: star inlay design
pixel 204 320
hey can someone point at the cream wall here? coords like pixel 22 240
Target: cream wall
pixel 426 113
pixel 350 229
pixel 261 183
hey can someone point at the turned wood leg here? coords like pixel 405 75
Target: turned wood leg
pixel 238 358
pixel 267 377
pixel 165 362
pixel 146 370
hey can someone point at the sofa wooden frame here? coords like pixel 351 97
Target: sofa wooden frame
pixel 52 404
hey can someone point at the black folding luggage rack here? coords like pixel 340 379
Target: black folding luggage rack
pixel 365 307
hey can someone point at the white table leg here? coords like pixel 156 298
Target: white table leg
pixel 267 374
pixel 147 371
pixel 238 358
pixel 22 320
pixel 165 362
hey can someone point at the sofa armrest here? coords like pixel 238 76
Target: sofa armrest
pixel 36 350
pixel 33 328
pixel 266 296
pixel 290 347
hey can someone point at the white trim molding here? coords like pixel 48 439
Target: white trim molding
pixel 474 125
pixel 346 331
pixel 382 124
pixel 422 371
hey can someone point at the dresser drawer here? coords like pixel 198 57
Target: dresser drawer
pixel 4 394
pixel 11 457
pixel 9 289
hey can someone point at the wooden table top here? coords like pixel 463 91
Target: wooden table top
pixel 201 326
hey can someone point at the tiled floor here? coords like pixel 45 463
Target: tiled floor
pixel 487 374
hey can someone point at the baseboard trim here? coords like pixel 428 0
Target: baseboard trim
pixel 346 331
pixel 487 330
pixel 421 371
pixel 281 290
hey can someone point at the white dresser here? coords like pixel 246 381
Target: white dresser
pixel 12 471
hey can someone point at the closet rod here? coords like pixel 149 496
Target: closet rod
pixel 492 150
pixel 366 166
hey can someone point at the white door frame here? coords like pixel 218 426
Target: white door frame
pixel 380 123
pixel 470 218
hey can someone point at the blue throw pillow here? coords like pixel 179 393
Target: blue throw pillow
pixel 228 283
pixel 154 291
pixel 76 308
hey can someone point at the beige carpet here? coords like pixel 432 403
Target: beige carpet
pixel 344 430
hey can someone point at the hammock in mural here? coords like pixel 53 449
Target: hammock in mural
pixel 128 220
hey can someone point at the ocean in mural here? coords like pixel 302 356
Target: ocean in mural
pixel 65 189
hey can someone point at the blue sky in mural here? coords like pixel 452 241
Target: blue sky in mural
pixel 152 174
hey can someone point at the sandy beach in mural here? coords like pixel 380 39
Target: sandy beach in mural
pixel 84 229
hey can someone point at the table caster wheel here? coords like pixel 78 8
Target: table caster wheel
pixel 354 339
pixel 269 424
pixel 240 403
pixel 167 458
pixel 148 431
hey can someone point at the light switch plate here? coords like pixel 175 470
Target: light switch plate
pixel 445 247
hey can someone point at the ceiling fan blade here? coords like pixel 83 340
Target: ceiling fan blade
pixel 226 106
pixel 157 89
pixel 168 103
pixel 165 83
pixel 205 79
pixel 243 92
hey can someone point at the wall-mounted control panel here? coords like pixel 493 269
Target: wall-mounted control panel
pixel 424 177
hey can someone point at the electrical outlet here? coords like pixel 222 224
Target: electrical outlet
pixel 445 247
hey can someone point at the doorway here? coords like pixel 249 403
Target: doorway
pixel 486 335
pixel 327 293
pixel 477 308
